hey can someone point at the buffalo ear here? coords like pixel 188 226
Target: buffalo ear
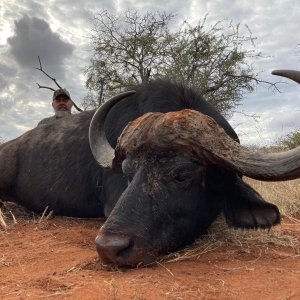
pixel 247 209
pixel 101 149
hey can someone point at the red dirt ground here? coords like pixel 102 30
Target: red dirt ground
pixel 56 259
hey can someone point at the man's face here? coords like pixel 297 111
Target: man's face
pixel 62 103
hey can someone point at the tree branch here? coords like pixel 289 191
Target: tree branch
pixel 41 69
pixel 45 87
pixel 274 85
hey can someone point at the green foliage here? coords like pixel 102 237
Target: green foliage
pixel 291 140
pixel 214 61
pixel 131 48
pixel 287 142
pixel 127 48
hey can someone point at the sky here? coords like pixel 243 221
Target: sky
pixel 59 32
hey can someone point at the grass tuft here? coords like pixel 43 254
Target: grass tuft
pixel 284 194
pixel 235 240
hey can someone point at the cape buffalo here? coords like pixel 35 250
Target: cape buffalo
pixel 177 164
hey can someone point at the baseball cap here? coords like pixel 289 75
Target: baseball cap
pixel 60 92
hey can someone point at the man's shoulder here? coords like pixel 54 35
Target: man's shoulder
pixel 47 120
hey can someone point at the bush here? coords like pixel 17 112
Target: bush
pixel 290 141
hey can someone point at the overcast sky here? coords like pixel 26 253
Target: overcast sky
pixel 58 31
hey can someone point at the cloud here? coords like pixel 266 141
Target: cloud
pixel 267 115
pixel 5 73
pixel 33 37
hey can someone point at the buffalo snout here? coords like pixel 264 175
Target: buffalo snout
pixel 122 250
pixel 113 248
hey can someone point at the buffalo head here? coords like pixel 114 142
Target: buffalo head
pixel 174 163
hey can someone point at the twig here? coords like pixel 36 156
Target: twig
pixel 2 221
pixel 45 87
pixel 79 109
pixel 49 215
pixel 165 268
pixel 41 69
pixel 44 214
pixel 14 218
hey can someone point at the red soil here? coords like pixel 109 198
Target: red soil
pixel 57 259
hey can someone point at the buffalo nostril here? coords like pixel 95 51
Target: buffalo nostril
pixel 112 248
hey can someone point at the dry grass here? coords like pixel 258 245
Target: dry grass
pixel 11 212
pixel 235 240
pixel 285 194
pixel 2 220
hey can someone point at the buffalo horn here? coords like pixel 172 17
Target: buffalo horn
pixel 291 74
pixel 101 149
pixel 198 136
pixel 255 164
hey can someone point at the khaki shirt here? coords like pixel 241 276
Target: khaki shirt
pixel 52 119
pixel 47 120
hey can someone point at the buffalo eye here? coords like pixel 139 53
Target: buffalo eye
pixel 183 179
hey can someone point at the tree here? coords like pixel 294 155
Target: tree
pixel 291 140
pixel 130 49
pixel 90 101
pixel 214 60
pixel 127 50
